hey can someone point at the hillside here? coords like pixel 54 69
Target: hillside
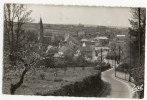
pixel 89 31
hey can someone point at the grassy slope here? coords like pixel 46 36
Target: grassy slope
pixel 33 83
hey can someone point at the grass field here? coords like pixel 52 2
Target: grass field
pixel 39 81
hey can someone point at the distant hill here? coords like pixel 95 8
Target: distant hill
pixel 90 31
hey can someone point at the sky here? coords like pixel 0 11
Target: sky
pixel 106 16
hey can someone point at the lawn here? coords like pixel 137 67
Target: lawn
pixel 38 80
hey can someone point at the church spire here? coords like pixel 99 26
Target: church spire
pixel 40 34
pixel 41 26
pixel 40 30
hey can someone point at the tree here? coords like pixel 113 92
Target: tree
pixel 136 36
pixel 137 31
pixel 15 16
pixel 137 44
pixel 23 58
pixel 112 45
pixel 138 26
pixel 20 49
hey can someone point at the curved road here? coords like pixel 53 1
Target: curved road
pixel 115 88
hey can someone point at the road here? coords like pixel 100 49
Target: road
pixel 116 88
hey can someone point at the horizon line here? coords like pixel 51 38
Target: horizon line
pixel 92 25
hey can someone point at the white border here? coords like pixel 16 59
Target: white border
pixel 128 3
pixel 116 3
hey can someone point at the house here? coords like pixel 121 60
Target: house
pixel 87 51
pixel 52 49
pixel 84 40
pixel 104 50
pixel 66 48
pixel 88 41
pixel 71 42
pixel 120 38
pixel 100 38
pixel 69 38
pixel 65 51
pixel 101 41
pixel 69 46
pixel 81 34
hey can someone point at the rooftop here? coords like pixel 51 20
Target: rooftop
pixel 101 37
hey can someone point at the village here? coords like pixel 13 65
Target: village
pixel 78 56
pixel 72 47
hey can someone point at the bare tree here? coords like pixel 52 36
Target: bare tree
pixel 20 48
pixel 29 62
pixel 15 16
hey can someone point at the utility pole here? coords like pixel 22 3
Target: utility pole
pixel 130 61
pixel 119 53
pixel 125 74
pixel 108 53
pixel 101 69
pixel 115 62
pixel 101 59
pixel 139 35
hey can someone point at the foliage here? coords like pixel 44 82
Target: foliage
pixel 136 44
pixel 104 66
pixel 32 36
pixel 112 45
pixel 104 42
pixel 42 76
pixel 113 55
pixel 123 68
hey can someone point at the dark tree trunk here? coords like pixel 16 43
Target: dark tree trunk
pixel 18 84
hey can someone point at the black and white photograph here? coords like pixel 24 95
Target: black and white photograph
pixel 73 51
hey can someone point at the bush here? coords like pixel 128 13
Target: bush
pixel 104 67
pixel 58 80
pixel 124 67
pixel 47 62
pixel 42 76
pixel 112 55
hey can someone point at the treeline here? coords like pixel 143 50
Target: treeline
pixel 134 56
pixel 90 31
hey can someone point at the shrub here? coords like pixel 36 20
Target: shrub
pixel 58 80
pixel 104 67
pixel 124 67
pixel 42 76
pixel 112 55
